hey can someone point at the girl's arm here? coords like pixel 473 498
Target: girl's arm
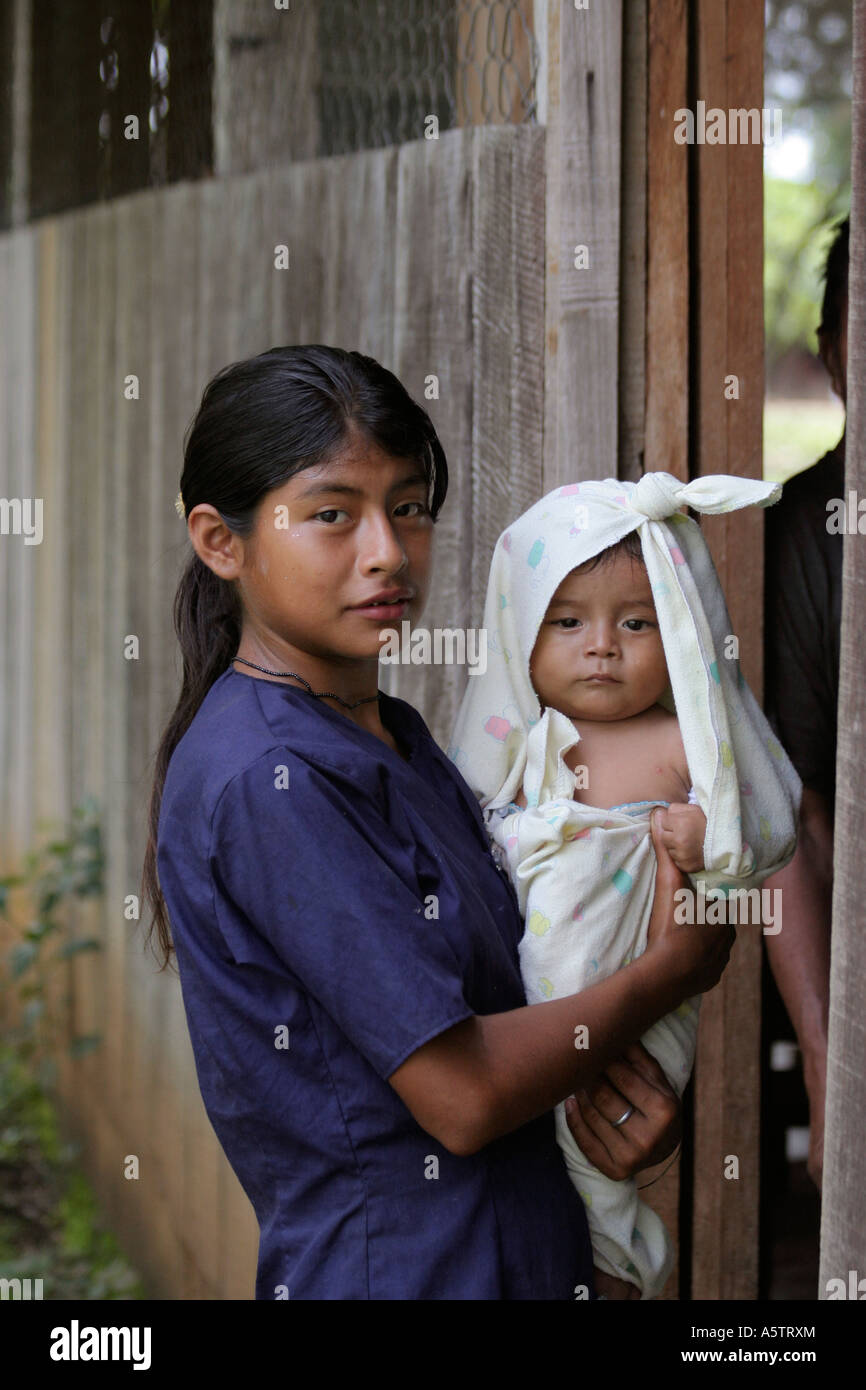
pixel 492 1073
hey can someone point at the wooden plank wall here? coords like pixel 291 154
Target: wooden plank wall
pixel 170 285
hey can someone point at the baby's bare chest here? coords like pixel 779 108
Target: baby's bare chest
pixel 628 765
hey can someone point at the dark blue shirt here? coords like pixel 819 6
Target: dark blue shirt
pixel 303 864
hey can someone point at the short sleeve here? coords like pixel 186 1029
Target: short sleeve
pixel 800 698
pixel 316 869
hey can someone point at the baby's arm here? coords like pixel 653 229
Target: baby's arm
pixel 683 826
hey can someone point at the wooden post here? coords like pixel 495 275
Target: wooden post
pixel 633 241
pixel 583 109
pixel 667 342
pixel 667 322
pixel 728 394
pixel 843 1225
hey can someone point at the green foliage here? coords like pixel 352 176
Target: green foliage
pixel 51 876
pixel 50 1226
pixel 798 221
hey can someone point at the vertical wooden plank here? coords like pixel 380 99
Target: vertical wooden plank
pixel 22 558
pixel 843 1227
pixel 436 251
pixel 51 643
pixel 667 331
pixel 20 99
pixel 666 377
pixel 729 301
pixel 508 339
pixel 265 76
pixel 117 1106
pixel 583 238
pixel 355 309
pixel 292 199
pixel 6 490
pixel 178 389
pixel 633 242
pixel 163 1137
pixel 88 1073
pixel 133 360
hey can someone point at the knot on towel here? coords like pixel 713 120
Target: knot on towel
pixel 657 495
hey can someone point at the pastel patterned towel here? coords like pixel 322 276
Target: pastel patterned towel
pixel 585 876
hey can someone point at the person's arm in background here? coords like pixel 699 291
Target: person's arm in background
pixel 801 704
pixel 799 955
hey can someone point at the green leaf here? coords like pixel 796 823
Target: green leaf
pixel 84 1043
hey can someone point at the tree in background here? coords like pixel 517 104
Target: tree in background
pixel 808 74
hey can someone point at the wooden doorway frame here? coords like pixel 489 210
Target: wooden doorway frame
pixel 641 344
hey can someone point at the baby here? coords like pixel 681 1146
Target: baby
pixel 599 659
pixel 608 692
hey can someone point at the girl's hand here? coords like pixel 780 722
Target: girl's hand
pixel 697 954
pixel 683 828
pixel 651 1132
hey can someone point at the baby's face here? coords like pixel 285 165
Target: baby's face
pixel 601 623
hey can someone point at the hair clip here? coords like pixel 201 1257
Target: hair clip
pixel 179 507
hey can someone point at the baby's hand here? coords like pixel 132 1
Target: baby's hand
pixel 683 828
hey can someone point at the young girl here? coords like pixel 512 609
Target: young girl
pixel 376 1078
pixel 612 687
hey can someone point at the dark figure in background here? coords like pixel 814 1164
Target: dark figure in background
pixel 803 607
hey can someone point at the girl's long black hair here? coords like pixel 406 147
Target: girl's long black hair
pixel 261 421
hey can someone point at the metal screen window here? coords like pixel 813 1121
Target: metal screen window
pixel 385 65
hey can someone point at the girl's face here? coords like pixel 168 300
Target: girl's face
pixel 326 543
pixel 602 623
